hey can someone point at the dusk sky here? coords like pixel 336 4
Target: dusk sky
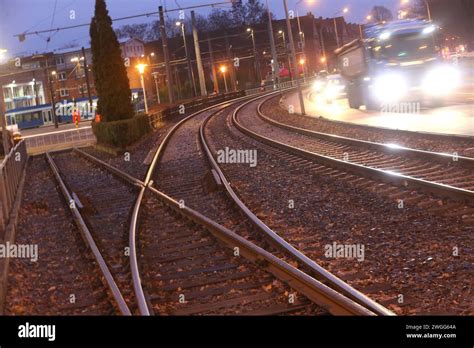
pixel 17 16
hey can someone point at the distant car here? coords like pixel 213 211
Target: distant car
pixel 321 80
pixel 323 74
pixel 334 88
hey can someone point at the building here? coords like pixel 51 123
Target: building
pixel 29 85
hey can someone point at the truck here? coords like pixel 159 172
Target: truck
pixel 396 62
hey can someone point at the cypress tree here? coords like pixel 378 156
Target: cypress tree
pixel 110 74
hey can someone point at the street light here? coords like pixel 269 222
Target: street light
pixel 293 58
pixel 141 70
pixel 256 63
pixel 223 69
pixel 344 10
pixel 282 33
pixel 51 91
pixel 188 61
pixel 302 62
pixel 301 33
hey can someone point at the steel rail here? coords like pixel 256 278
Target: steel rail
pixel 87 236
pixel 328 298
pixel 334 281
pixel 143 306
pixel 120 173
pixel 391 177
pixel 316 291
pixel 432 135
pixel 137 287
pixel 391 149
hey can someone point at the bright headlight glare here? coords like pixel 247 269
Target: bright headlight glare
pixel 318 85
pixel 429 29
pixel 389 88
pixel 333 90
pixel 441 80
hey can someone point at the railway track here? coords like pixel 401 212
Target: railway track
pixel 327 199
pixel 446 175
pixel 433 142
pixel 64 280
pixel 197 186
pixel 182 263
pixel 105 204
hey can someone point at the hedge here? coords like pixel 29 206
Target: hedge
pixel 121 133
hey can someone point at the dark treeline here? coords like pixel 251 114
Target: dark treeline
pixel 250 12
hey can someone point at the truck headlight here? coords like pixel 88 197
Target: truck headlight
pixel 441 80
pixel 389 88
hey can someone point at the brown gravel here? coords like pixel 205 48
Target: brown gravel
pixel 178 258
pixel 140 153
pixel 407 251
pixel 65 266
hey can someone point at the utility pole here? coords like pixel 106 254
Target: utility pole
pixel 303 45
pixel 255 54
pixel 164 41
pixel 275 65
pixel 35 88
pixel 86 73
pixel 51 91
pixel 323 46
pixel 213 66
pixel 197 49
pixel 188 60
pixel 231 64
pixel 294 67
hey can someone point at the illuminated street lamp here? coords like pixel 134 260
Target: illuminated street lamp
pixel 301 33
pixel 141 70
pixel 223 69
pixel 188 60
pixel 282 33
pixel 344 10
pixel 51 91
pixel 294 66
pixel 255 54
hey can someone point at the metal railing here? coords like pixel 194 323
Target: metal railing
pixel 192 106
pixel 11 170
pixel 279 86
pixel 68 138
